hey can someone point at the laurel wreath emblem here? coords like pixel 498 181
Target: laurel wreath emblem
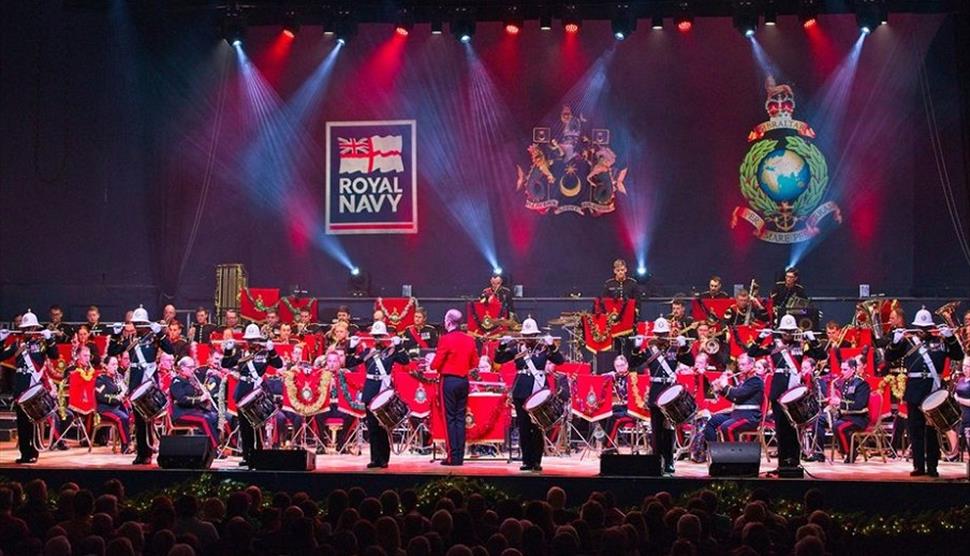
pixel 808 200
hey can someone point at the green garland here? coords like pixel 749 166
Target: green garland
pixel 429 493
pixel 345 392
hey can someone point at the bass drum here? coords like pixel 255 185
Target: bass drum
pixel 677 404
pixel 149 401
pixel 545 409
pixel 942 412
pixel 801 404
pixel 389 409
pixel 37 402
pixel 258 407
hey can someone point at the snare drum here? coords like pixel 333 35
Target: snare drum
pixel 677 404
pixel 544 408
pixel 258 407
pixel 389 409
pixel 801 405
pixel 942 412
pixel 37 402
pixel 149 401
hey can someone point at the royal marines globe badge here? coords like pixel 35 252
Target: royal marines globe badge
pixel 784 176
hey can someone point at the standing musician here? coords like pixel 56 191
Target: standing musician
pixel 193 405
pixel 747 397
pixel 745 310
pixel 379 361
pixel 249 361
pixel 923 356
pixel 785 354
pixel 420 335
pixel 786 291
pixel 497 292
pixel 530 354
pixel 111 393
pixel 848 407
pixel 31 350
pixel 141 339
pixel 455 357
pixel 660 358
pixel 621 286
pixel 714 290
pixel 201 330
pixel 63 332
pixel 961 394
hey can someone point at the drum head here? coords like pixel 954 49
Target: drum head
pixel 142 388
pixel 30 392
pixel 935 399
pixel 669 394
pixel 381 398
pixel 537 399
pixel 251 396
pixel 793 394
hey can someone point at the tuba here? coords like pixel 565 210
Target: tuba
pixel 871 309
pixel 946 312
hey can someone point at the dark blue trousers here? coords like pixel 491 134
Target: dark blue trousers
pixel 454 395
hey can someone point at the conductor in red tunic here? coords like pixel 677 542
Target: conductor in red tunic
pixel 455 357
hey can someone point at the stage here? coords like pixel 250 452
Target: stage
pixel 853 485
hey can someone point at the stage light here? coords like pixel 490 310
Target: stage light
pixel 346 28
pixel 745 17
pixel 571 22
pixel 497 271
pixel 771 15
pixel 657 23
pixel 545 22
pixel 684 19
pixel 463 26
pixel 355 271
pixel 513 21
pixel 291 24
pixel 641 270
pixel 404 24
pixel 359 284
pixel 623 23
pixel 233 27
pixel 437 27
pixel 808 13
pixel 328 27
pixel 870 14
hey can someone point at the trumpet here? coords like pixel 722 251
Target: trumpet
pixel 654 337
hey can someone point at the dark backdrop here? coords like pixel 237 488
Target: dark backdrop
pixel 139 153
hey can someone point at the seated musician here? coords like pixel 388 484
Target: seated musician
pixel 275 384
pixel 271 327
pixel 338 339
pixel 679 320
pixel 343 315
pixel 747 398
pixel 737 314
pixel 711 343
pixel 848 407
pixel 180 346
pixel 498 292
pixel 82 400
pixel 201 330
pixel 961 394
pixel 93 316
pixel 191 405
pixel 213 378
pixel 420 335
pixel 110 391
pixel 82 337
pixel 332 363
pixel 231 326
pixel 303 323
pixel 284 335
pixel 714 290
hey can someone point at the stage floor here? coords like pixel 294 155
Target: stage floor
pixel 564 466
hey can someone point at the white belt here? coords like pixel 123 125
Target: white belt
pixel 660 379
pixel 747 407
pixel 918 375
pixel 376 377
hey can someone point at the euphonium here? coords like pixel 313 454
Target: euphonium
pixel 711 346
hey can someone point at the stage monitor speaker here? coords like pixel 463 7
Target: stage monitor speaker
pixel 630 465
pixel 735 459
pixel 283 460
pixel 185 452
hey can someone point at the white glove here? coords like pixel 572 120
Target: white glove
pixel 681 341
pixel 396 341
pixel 354 340
pixel 505 339
pixel 898 336
pixel 155 327
pixel 547 340
pixel 3 334
pixel 945 331
pixel 810 335
pixel 117 327
pixel 46 334
pixel 228 345
pixel 270 345
pixel 638 341
pixel 428 358
pixel 764 333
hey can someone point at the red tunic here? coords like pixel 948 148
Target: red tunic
pixel 456 354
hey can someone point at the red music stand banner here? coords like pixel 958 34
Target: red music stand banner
pixel 638 391
pixel 399 311
pixel 350 386
pixel 592 397
pixel 417 394
pixel 231 383
pixel 596 332
pixel 621 314
pixel 484 318
pixel 486 419
pixel 715 307
pixel 80 393
pixel 255 302
pixel 307 388
pixel 290 306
